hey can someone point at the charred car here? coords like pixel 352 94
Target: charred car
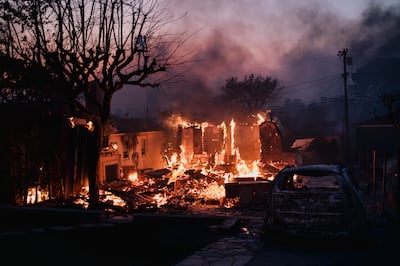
pixel 319 199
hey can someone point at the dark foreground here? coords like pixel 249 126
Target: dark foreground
pixel 185 240
pixel 145 240
pixel 378 246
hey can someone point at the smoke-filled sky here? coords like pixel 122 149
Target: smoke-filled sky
pixel 293 41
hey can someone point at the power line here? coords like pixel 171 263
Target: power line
pixel 311 86
pixel 312 81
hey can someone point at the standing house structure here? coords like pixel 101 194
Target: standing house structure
pixel 378 152
pixel 380 133
pixel 378 140
pixel 131 152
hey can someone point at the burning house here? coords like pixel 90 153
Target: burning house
pixel 219 144
pixel 233 151
pixel 208 163
pixel 130 153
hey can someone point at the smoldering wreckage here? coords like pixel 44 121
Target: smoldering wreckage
pixel 226 165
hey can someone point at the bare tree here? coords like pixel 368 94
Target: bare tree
pixel 96 47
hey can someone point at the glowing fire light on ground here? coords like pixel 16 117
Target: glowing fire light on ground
pixel 213 191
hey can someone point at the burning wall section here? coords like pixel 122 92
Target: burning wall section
pixel 219 144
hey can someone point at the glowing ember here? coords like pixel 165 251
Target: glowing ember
pixel 174 159
pixel 133 177
pixel 37 194
pixel 213 192
pixel 115 200
pixel 260 118
pixel 228 177
pixel 160 199
pixel 177 173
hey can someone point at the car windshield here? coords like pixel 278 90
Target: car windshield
pixel 302 181
pixel 327 181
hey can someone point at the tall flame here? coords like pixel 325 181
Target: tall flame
pixel 233 124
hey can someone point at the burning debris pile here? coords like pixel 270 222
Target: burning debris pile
pixel 173 190
pixel 207 159
pixel 178 188
pixel 162 190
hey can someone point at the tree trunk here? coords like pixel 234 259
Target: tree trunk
pixel 93 154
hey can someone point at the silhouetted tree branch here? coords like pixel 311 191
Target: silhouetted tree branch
pixel 94 47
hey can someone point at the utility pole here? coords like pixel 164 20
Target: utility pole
pixel 346 61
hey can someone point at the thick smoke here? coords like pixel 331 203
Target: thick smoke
pixel 216 59
pixel 379 33
pixel 296 43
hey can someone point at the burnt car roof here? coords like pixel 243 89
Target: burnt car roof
pixel 315 168
pixel 340 170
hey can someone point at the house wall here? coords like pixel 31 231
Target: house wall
pixel 247 139
pixel 109 167
pixel 378 156
pixel 134 152
pixel 148 150
pixel 187 143
pixel 125 144
pixel 213 139
pixel 271 142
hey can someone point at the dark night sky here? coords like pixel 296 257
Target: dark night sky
pixel 294 41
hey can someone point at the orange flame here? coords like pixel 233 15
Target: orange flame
pixel 133 177
pixel 245 171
